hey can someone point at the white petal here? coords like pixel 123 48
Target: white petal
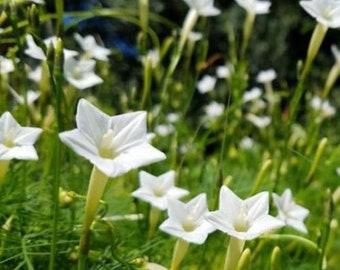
pixel 27 135
pixel 79 143
pixel 258 206
pixel 92 122
pixel 129 129
pixel 26 152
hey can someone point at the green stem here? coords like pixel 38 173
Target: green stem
pixel 153 221
pixel 4 164
pixel 181 248
pixel 247 28
pixel 260 177
pixel 234 253
pixel 314 46
pixel 95 192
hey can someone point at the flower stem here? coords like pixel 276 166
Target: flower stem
pixel 153 220
pixel 247 28
pixel 181 248
pixel 95 191
pixel 234 252
pixel 314 46
pixel 4 164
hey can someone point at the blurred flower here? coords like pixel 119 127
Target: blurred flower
pixel 255 6
pixel 153 56
pixel 206 84
pixel 246 143
pixel 223 72
pixel 326 12
pixel 35 75
pixel 213 110
pixel 187 221
pixel 80 73
pixel 116 144
pixel 89 45
pixel 243 219
pixel 266 76
pixel 17 141
pixel 156 190
pixel 6 65
pixel 164 130
pixel 259 121
pixel 195 36
pixel 31 96
pixel 37 52
pixel 253 93
pixel 289 212
pixel 172 117
pixel 203 7
pixel 323 107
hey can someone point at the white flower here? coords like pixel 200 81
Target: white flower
pixel 89 45
pixel 172 117
pixel 246 143
pixel 37 52
pixel 187 221
pixel 17 141
pixel 31 96
pixel 153 56
pixel 156 190
pixel 214 110
pixel 164 130
pixel 323 107
pixel 195 36
pixel 35 75
pixel 252 94
pixel 6 65
pixel 80 73
pixel 53 40
pixel 203 7
pixel 33 49
pixel 266 76
pixel 289 212
pixel 116 144
pixel 243 219
pixel 259 121
pixel 223 72
pixel 206 84
pixel 255 6
pixel 326 12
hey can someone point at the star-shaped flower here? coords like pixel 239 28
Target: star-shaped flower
pixel 17 141
pixel 187 221
pixel 157 190
pixel 90 46
pixel 80 73
pixel 36 52
pixel 255 6
pixel 116 144
pixel 290 212
pixel 243 219
pixel 203 7
pixel 326 12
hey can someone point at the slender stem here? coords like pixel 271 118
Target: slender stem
pixel 314 46
pixel 153 221
pixel 234 252
pixel 260 177
pixel 181 248
pixel 95 192
pixel 247 28
pixel 4 164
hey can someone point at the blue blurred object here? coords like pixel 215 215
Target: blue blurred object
pixel 105 27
